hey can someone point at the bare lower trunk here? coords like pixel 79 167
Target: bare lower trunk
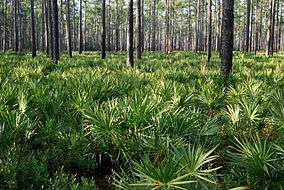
pixel 209 32
pixel 33 29
pixel 69 31
pixel 270 33
pixel 130 58
pixel 139 31
pixel 227 38
pixel 103 41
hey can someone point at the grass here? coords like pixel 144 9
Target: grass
pixel 166 124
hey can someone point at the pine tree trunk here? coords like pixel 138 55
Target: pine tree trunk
pixel 248 26
pixel 277 25
pixel 251 28
pixel 16 29
pixel 69 31
pixel 50 27
pixel 227 38
pixel 153 37
pixel 218 38
pixel 189 41
pixel 270 33
pixel 55 31
pixel 139 30
pixel 130 58
pixel 197 27
pixel 280 28
pixel 109 28
pixel 80 37
pixel 33 29
pixel 20 28
pixel 117 23
pixel 103 45
pixel 42 25
pixel 167 33
pixel 256 27
pixel 209 32
pixel 142 25
pixel 4 26
pixel 47 27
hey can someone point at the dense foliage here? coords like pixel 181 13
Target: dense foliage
pixel 169 123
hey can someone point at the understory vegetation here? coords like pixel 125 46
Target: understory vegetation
pixel 167 124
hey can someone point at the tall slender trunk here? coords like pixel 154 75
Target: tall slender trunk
pixel 16 29
pixel 219 23
pixel 270 33
pixel 189 41
pixel 103 41
pixel 80 34
pixel 142 25
pixel 153 37
pixel 50 28
pixel 280 28
pixel 33 29
pixel 46 28
pixel 167 33
pixel 197 27
pixel 20 28
pixel 256 41
pixel 251 28
pixel 209 32
pixel 55 32
pixel 277 24
pixel 227 38
pixel 74 26
pixel 139 30
pixel 150 29
pixel 130 58
pixel 4 26
pixel 117 23
pixel 42 25
pixel 248 26
pixel 260 29
pixel 69 31
pixel 109 27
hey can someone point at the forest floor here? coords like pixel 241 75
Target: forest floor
pixel 168 123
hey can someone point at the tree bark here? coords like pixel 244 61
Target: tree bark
pixel 277 24
pixel 139 30
pixel 197 27
pixel 69 31
pixel 50 28
pixel 227 38
pixel 33 29
pixel 117 23
pixel 280 28
pixel 209 32
pixel 142 25
pixel 4 26
pixel 189 41
pixel 270 33
pixel 16 29
pixel 248 26
pixel 103 41
pixel 130 58
pixel 153 37
pixel 55 32
pixel 80 37
pixel 256 41
pixel 167 33
pixel 42 25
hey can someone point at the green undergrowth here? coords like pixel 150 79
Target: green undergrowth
pixel 169 123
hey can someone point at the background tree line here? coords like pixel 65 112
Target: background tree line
pixel 160 25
